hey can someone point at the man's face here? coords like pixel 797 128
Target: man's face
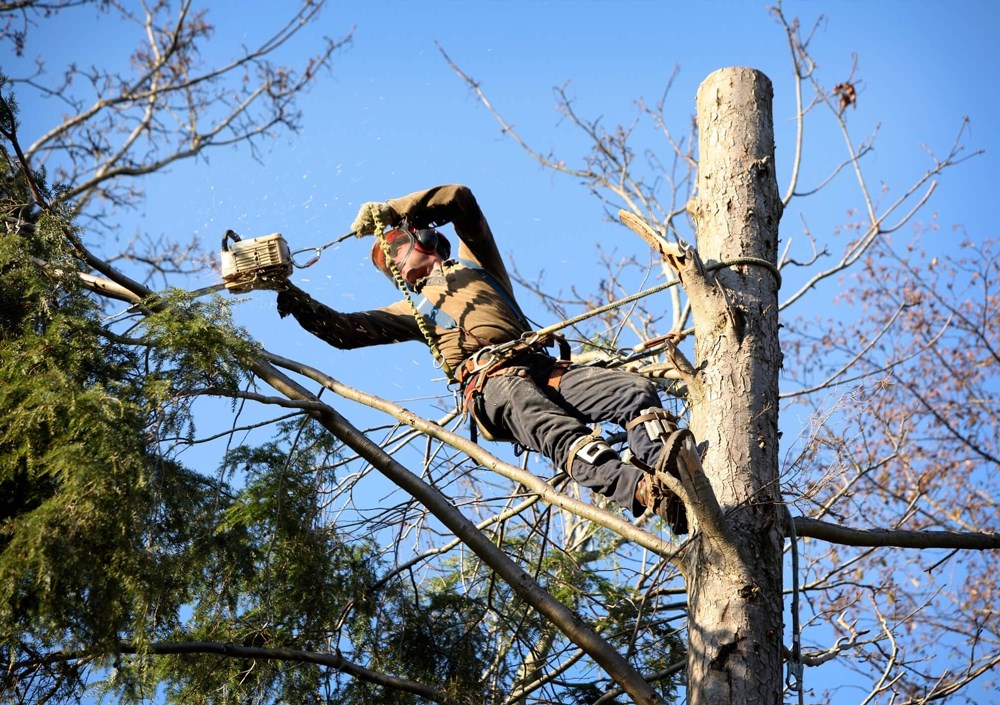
pixel 415 264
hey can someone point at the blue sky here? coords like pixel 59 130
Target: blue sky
pixel 392 118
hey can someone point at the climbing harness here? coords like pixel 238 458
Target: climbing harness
pixel 493 360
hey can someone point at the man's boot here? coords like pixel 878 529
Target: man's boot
pixel 662 426
pixel 651 493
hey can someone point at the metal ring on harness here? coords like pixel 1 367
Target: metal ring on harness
pixel 534 339
pixel 479 364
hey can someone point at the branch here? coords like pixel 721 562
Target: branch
pixel 814 528
pixel 333 660
pixel 484 458
pixel 505 127
pixel 830 381
pixel 943 690
pixel 207 112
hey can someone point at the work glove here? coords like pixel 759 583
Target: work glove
pixel 291 299
pixel 364 224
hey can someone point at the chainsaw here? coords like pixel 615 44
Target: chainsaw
pixel 254 263
pixel 260 262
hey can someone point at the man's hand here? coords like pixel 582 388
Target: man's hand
pixel 364 224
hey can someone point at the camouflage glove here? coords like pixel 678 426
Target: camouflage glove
pixel 364 224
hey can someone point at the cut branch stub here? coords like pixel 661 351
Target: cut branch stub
pixel 682 257
pixel 669 251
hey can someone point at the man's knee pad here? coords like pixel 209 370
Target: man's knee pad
pixel 659 423
pixel 590 449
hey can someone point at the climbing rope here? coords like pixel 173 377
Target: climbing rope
pixel 402 286
pixel 656 289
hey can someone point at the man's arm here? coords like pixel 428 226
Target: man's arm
pixel 347 330
pixel 455 204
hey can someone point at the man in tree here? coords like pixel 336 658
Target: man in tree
pixel 465 310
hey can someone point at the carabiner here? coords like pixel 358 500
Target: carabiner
pixel 311 262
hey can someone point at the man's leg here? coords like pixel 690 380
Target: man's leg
pixel 599 394
pixel 516 403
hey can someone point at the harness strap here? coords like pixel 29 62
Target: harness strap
pixel 434 314
pixel 488 362
pixel 472 382
pixel 578 445
pixel 660 422
pixel 442 320
pixel 558 370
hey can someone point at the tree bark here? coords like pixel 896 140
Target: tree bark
pixel 734 567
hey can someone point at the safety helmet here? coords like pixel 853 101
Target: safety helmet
pixel 404 237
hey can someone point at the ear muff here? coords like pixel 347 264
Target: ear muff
pixel 426 240
pixel 442 246
pixel 431 240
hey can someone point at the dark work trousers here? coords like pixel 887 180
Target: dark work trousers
pixel 519 401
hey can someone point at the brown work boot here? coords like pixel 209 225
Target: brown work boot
pixel 651 493
pixel 672 445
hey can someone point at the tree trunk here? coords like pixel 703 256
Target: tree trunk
pixel 734 568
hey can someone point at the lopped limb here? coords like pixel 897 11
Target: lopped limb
pixel 699 285
pixel 672 252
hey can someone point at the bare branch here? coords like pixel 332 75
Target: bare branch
pixel 331 660
pixel 814 528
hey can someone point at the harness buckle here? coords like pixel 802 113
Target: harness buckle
pixel 481 359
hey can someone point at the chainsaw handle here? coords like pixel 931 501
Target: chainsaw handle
pixel 230 235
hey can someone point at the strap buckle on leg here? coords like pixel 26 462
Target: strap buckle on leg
pixel 659 423
pixel 591 449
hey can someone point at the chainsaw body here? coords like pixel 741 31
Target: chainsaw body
pixel 251 264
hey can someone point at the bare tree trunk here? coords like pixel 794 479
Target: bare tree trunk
pixel 734 567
